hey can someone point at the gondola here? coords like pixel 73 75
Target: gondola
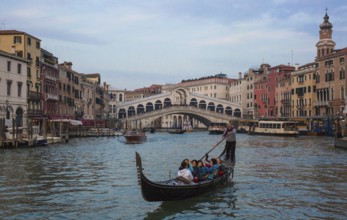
pixel 178 131
pixel 178 188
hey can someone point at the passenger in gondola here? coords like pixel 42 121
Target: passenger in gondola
pixel 195 170
pixel 221 168
pixel 184 171
pixel 213 169
pixel 202 171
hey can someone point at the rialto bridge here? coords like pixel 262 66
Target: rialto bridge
pixel 184 105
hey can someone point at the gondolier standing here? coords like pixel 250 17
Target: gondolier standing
pixel 230 144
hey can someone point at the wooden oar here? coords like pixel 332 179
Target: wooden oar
pixel 213 148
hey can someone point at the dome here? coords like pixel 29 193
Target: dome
pixel 326 24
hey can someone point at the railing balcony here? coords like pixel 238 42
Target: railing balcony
pixel 51 97
pixel 322 103
pixel 34 96
pixel 51 77
pixel 34 112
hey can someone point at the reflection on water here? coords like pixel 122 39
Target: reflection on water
pixel 297 178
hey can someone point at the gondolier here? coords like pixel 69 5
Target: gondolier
pixel 230 144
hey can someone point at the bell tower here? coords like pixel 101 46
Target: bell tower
pixel 325 45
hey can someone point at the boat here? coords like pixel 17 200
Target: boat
pixel 178 131
pixel 177 188
pixel 340 134
pixel 216 128
pixel 152 130
pixel 135 136
pixel 275 128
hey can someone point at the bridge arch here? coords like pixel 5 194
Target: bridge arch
pixel 158 105
pixel 181 96
pixel 202 104
pixel 193 102
pixel 211 106
pixel 228 110
pixel 167 102
pixel 131 111
pixel 149 107
pixel 122 113
pixel 220 108
pixel 140 109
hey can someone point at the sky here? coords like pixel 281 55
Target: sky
pixel 137 43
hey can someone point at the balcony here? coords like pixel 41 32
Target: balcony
pixel 51 77
pixel 321 103
pixel 32 112
pixel 285 101
pixel 34 96
pixel 51 97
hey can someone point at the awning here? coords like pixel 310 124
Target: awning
pixel 72 122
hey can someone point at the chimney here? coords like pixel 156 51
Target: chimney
pixel 13 50
pixel 68 65
pixel 296 66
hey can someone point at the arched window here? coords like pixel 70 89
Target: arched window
pixel 158 105
pixel 19 117
pixel 202 104
pixel 211 106
pixel 149 107
pixel 131 111
pixel 167 102
pixel 140 109
pixel 122 113
pixel 220 108
pixel 193 102
pixel 121 97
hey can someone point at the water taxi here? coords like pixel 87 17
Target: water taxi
pixel 216 128
pixel 275 128
pixel 135 136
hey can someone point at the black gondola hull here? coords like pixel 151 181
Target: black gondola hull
pixel 174 189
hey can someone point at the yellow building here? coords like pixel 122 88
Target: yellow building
pixel 28 47
pixel 303 95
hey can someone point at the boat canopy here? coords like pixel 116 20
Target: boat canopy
pixel 72 122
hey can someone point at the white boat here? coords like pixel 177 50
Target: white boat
pixel 216 127
pixel 275 128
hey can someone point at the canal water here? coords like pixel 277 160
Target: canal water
pixel 95 178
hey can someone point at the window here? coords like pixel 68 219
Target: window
pixel 9 83
pixel 342 74
pixel 9 66
pixel 19 53
pixel 19 68
pixel 28 56
pixel 37 45
pixel 19 89
pixel 29 71
pixel 28 40
pixel 17 39
pixel 342 60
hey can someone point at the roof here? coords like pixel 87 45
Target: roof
pixel 6 54
pixel 14 32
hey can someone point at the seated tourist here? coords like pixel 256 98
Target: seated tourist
pixel 184 171
pixel 202 171
pixel 221 167
pixel 213 169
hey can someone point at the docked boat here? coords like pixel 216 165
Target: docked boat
pixel 275 128
pixel 340 134
pixel 178 188
pixel 135 137
pixel 178 131
pixel 216 128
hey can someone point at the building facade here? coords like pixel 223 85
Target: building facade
pixel 28 47
pixel 13 89
pixel 331 73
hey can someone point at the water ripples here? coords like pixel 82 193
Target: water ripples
pixel 286 178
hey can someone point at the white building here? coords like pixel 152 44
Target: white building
pixel 13 89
